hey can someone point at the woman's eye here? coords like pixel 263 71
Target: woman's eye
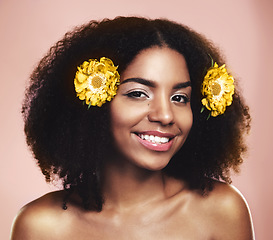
pixel 180 98
pixel 137 94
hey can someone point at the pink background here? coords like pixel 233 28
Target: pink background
pixel 242 29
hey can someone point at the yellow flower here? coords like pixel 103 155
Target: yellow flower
pixel 96 81
pixel 217 89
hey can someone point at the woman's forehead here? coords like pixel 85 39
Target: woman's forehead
pixel 157 63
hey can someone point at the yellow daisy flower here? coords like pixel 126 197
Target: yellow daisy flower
pixel 96 81
pixel 217 89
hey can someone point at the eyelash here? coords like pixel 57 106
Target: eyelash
pixel 136 94
pixel 184 98
pixel 140 94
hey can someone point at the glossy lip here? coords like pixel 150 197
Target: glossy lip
pixel 159 147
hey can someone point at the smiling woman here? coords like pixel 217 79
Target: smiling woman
pixel 140 152
pixel 151 112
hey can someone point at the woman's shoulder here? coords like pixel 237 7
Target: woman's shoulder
pixel 228 211
pixel 227 199
pixel 40 218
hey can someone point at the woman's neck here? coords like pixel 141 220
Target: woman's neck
pixel 127 186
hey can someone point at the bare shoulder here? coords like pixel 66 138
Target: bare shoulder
pixel 40 219
pixel 229 212
pixel 228 199
pixel 226 196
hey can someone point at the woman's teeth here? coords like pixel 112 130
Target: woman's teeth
pixel 154 139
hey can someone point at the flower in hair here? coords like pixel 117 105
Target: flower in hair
pixel 217 89
pixel 96 81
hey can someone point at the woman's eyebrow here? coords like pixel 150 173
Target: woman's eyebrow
pixel 152 84
pixel 141 81
pixel 182 85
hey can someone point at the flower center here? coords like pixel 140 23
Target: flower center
pixel 215 89
pixel 96 82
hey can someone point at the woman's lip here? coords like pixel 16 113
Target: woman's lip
pixel 159 147
pixel 157 133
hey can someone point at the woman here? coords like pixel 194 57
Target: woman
pixel 140 133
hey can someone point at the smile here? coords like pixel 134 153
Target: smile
pixel 156 141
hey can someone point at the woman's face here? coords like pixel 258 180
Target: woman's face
pixel 151 114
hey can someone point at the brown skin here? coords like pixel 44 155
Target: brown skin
pixel 141 202
pixel 154 96
pixel 178 213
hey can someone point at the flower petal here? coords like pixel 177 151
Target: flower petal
pixel 84 86
pixel 216 100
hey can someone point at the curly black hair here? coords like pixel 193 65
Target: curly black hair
pixel 69 141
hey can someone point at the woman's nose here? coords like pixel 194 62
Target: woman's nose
pixel 161 111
